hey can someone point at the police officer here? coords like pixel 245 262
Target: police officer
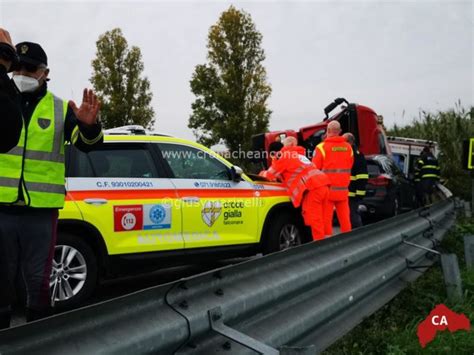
pixel 32 179
pixel 308 186
pixel 334 156
pixel 427 175
pixel 359 177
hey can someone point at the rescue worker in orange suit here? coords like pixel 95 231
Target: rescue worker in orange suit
pixel 308 186
pixel 359 177
pixel 334 156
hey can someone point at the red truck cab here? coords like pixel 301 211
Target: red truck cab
pixel 361 121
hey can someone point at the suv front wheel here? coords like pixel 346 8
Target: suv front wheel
pixel 284 233
pixel 74 273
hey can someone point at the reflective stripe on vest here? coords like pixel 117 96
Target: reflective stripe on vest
pixel 337 171
pixel 321 149
pixel 9 182
pixel 38 168
pixel 338 188
pixel 360 193
pixel 295 193
pixel 45 187
pixel 313 173
pixel 429 171
pixel 37 155
pixel 359 177
pixel 297 182
pixel 294 176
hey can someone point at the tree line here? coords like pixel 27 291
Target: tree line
pixel 232 91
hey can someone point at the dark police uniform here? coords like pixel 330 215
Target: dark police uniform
pixel 32 187
pixel 357 187
pixel 427 173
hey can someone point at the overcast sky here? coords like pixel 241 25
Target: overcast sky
pixel 395 56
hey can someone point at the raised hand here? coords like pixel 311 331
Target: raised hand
pixel 5 37
pixel 87 112
pixel 7 51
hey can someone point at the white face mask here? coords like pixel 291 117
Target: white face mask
pixel 25 83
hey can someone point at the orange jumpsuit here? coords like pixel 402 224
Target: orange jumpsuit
pixel 307 186
pixel 335 157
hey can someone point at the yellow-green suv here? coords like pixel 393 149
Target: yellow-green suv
pixel 150 200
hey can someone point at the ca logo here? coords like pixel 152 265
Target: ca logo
pixel 435 320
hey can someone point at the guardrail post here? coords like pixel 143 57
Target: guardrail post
pixel 217 324
pixel 469 250
pixel 457 202
pixel 452 276
pixel 467 209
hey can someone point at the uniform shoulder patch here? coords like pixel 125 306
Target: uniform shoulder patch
pixel 44 122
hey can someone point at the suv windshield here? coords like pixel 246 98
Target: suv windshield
pixel 191 163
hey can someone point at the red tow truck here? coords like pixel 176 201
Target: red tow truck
pixel 361 121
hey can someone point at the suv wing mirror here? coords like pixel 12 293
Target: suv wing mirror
pixel 236 173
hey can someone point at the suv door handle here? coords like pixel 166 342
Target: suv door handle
pixel 95 201
pixel 190 199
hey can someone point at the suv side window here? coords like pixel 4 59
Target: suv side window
pixel 188 162
pixel 127 160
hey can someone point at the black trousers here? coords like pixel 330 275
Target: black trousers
pixel 356 220
pixel 27 242
pixel 427 188
pixel 419 194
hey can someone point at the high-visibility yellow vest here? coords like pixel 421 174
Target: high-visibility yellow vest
pixel 36 164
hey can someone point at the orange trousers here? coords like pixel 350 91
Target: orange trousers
pixel 343 215
pixel 312 209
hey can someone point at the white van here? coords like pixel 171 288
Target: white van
pixel 405 152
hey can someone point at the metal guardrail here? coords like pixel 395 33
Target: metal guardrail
pixel 294 302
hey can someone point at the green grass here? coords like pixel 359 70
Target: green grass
pixel 392 330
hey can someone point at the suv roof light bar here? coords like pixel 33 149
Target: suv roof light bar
pixel 133 130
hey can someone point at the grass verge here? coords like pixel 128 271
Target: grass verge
pixel 392 329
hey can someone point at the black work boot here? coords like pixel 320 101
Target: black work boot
pixel 35 314
pixel 5 317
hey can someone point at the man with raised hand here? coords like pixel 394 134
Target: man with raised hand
pixel 32 177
